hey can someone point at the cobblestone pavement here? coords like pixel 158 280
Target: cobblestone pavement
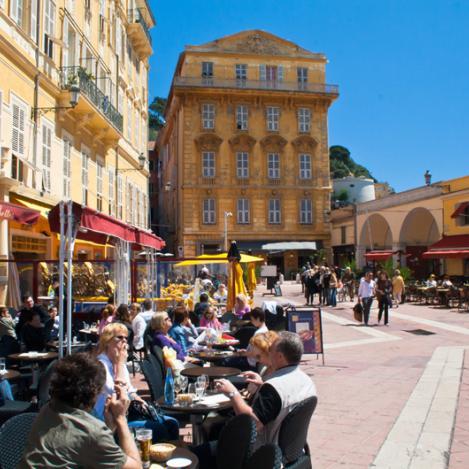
pixel 389 398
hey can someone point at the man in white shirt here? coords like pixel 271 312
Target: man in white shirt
pixel 138 326
pixel 257 316
pixel 147 312
pixel 366 292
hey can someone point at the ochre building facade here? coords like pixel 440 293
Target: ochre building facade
pixel 244 153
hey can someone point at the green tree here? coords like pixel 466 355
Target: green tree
pixel 156 116
pixel 343 165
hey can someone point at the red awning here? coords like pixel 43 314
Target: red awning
pixel 449 246
pixel 460 210
pixel 100 228
pixel 17 213
pixel 378 255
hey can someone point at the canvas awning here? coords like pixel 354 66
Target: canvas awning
pixel 460 210
pixel 26 216
pixel 290 246
pixel 378 255
pixel 449 246
pixel 100 228
pixel 217 259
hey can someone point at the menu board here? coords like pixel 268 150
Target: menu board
pixel 307 323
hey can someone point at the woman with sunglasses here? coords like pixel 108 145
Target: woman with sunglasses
pixel 112 353
pixel 161 324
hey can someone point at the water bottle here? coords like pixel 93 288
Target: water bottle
pixel 169 388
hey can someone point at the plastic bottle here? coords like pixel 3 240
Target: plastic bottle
pixel 169 388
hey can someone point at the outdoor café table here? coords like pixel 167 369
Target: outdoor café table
pixel 198 411
pixel 34 357
pixel 213 356
pixel 210 371
pixel 179 453
pixel 91 331
pixel 10 375
pixel 55 344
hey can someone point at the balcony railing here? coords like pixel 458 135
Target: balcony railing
pixel 80 76
pixel 212 82
pixel 136 16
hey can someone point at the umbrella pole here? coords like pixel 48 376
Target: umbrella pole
pixel 61 279
pixel 71 234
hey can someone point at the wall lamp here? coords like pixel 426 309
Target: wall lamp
pixel 141 164
pixel 74 97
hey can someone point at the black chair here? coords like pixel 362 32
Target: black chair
pixel 43 395
pixel 293 434
pixel 13 437
pixel 236 442
pixel 266 457
pixel 153 377
pixel 157 352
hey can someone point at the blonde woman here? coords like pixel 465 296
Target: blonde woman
pixel 398 287
pixel 241 305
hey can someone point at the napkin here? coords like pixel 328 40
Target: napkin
pixel 214 400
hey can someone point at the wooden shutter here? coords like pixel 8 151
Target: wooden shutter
pixel 18 124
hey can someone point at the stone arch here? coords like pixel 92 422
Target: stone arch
pixel 376 233
pixel 419 228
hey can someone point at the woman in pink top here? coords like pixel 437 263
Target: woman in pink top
pixel 106 317
pixel 209 319
pixel 241 305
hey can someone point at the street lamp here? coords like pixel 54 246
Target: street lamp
pixel 225 245
pixel 74 97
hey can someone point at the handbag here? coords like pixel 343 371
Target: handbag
pixel 139 411
pixel 358 312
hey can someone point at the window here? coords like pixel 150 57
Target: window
pixel 304 120
pixel 18 128
pixel 85 161
pixel 207 69
pixel 129 120
pixel 305 166
pixel 49 27
pixel 208 164
pixel 306 212
pixel 208 116
pixel 243 211
pixel 241 117
pixel 99 186
pixel 343 235
pixel 17 169
pixel 46 155
pixel 110 191
pixel 273 166
pixel 134 208
pixel 16 11
pixel 274 211
pixel 33 21
pixel 102 20
pixel 302 77
pixel 208 214
pixel 120 210
pixel 128 203
pixel 242 165
pixel 272 74
pixel 241 72
pixel 273 115
pixel 464 217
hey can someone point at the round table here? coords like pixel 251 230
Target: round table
pixel 10 375
pixel 179 453
pixel 214 356
pixel 39 357
pixel 210 371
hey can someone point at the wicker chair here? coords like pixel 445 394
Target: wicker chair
pixel 266 457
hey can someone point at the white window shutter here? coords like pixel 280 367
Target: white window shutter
pixel 65 49
pixel 118 38
pixel 33 28
pixel 262 72
pixel 280 73
pixel 14 10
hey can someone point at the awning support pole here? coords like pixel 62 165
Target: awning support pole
pixel 71 236
pixel 61 280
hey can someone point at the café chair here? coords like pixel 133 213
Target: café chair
pixel 293 434
pixel 154 377
pixel 13 437
pixel 266 457
pixel 236 442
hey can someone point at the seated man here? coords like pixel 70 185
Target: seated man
pixel 34 334
pixel 286 387
pixel 65 434
pixel 27 311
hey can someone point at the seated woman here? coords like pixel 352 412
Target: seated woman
pixel 7 325
pixel 123 316
pixel 221 294
pixel 161 324
pixel 107 315
pixel 182 330
pixel 241 305
pixel 112 353
pixel 259 350
pixel 209 319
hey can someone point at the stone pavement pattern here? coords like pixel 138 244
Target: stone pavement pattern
pixel 389 398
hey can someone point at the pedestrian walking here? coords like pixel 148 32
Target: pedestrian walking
pixel 366 292
pixel 398 287
pixel 383 294
pixel 333 283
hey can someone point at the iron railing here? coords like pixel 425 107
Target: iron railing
pixel 136 16
pixel 80 76
pixel 212 82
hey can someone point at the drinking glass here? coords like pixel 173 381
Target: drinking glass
pixel 177 385
pixel 203 380
pixel 183 382
pixel 199 389
pixel 144 438
pixel 192 389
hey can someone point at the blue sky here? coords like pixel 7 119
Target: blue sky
pixel 402 67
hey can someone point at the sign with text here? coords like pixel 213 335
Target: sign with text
pixel 307 323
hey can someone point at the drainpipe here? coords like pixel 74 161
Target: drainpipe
pixel 36 93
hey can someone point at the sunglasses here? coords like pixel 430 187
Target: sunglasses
pixel 121 337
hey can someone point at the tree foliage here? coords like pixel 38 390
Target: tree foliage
pixel 156 115
pixel 343 165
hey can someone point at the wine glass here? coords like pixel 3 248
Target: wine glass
pixel 192 389
pixel 183 382
pixel 177 385
pixel 203 381
pixel 199 389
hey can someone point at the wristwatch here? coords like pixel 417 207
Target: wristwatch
pixel 232 394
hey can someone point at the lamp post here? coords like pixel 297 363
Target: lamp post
pixel 74 97
pixel 225 244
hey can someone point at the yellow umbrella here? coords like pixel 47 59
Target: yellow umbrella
pixel 217 259
pixel 235 284
pixel 251 278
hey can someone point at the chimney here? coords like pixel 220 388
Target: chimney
pixel 428 177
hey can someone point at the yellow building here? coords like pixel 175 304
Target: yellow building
pixel 92 152
pixel 244 154
pixel 453 247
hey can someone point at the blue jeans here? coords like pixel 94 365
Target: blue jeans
pixel 166 429
pixel 333 296
pixel 366 308
pixel 5 392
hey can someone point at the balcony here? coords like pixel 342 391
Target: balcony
pixel 95 98
pixel 201 82
pixel 139 32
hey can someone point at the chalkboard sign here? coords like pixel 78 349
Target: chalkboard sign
pixel 307 323
pixel 278 290
pixel 268 271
